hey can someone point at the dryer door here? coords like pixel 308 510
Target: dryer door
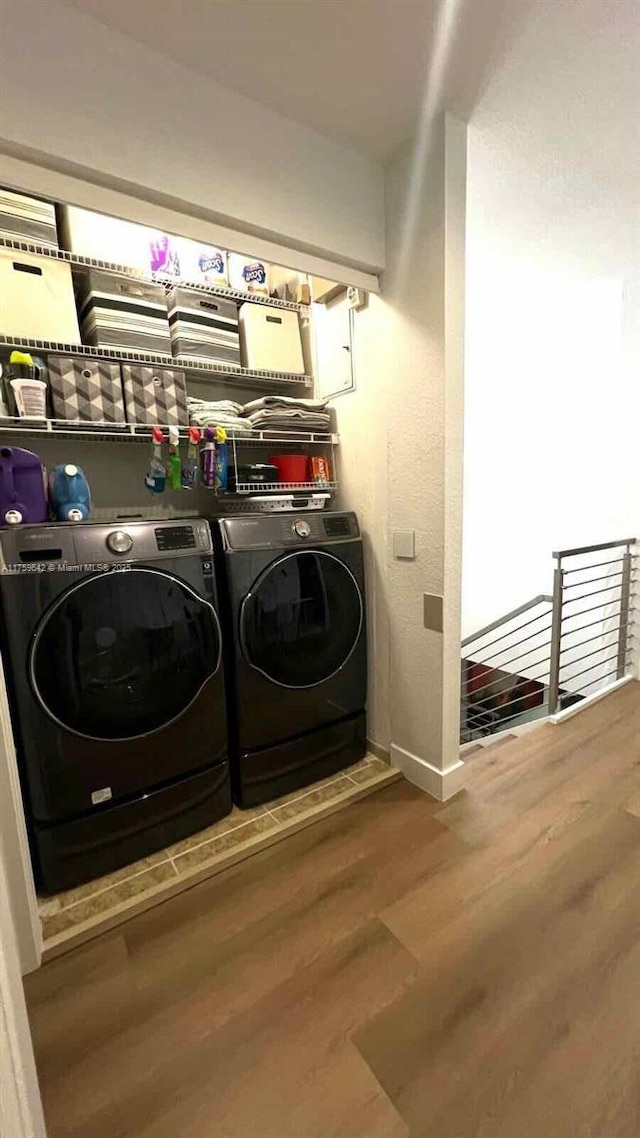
pixel 123 654
pixel 302 619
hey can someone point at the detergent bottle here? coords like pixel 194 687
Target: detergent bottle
pixel 22 487
pixel 69 493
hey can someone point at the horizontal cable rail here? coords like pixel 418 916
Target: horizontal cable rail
pixel 515 644
pixel 596 565
pixel 593 581
pixel 506 619
pixel 590 639
pixel 595 593
pixel 494 695
pixel 505 635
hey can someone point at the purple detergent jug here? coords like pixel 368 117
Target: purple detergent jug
pixel 22 487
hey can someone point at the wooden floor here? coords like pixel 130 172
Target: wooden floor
pixel 401 970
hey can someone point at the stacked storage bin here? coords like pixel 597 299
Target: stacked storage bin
pixel 204 327
pixel 36 293
pixel 120 313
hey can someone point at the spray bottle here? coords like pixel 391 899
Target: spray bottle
pixel 156 477
pixel 221 461
pixel 191 468
pixel 209 458
pixel 175 466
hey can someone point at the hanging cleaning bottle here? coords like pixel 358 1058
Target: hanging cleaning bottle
pixel 156 477
pixel 221 462
pixel 208 457
pixel 191 468
pixel 175 466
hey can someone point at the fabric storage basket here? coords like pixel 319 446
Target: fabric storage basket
pixel 105 238
pixel 86 390
pixel 270 339
pixel 203 327
pixel 155 396
pixel 27 219
pixel 117 312
pixel 36 298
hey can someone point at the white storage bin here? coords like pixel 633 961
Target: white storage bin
pixel 36 298
pixel 104 238
pixel 270 339
pixel 23 218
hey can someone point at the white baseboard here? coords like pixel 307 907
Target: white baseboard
pixel 583 704
pixel 440 784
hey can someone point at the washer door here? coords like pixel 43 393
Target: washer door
pixel 302 619
pixel 123 654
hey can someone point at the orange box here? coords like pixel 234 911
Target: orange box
pixel 320 470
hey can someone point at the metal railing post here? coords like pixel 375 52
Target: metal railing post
pixel 556 639
pixel 624 614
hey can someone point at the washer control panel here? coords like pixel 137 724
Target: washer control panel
pixel 141 540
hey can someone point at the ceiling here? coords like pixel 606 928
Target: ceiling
pixel 354 70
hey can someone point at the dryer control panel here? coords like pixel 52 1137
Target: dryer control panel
pixel 284 530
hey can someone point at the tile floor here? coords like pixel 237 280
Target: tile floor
pixel 76 915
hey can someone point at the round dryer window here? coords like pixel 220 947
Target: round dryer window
pixel 124 653
pixel 302 619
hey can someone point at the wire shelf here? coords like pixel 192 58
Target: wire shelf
pixel 79 263
pixel 102 431
pixel 243 375
pixel 284 487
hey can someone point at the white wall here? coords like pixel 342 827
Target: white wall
pixel 401 455
pixel 96 100
pixel 553 320
pixel 20 1106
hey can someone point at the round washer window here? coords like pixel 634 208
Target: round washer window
pixel 302 618
pixel 124 653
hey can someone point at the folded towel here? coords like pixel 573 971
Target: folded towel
pixel 284 402
pixel 231 423
pixel 290 419
pixel 226 406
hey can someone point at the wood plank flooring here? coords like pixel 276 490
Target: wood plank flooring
pixel 405 969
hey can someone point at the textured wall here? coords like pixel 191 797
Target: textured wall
pixel 401 450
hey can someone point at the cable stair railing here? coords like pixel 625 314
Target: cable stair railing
pixel 530 663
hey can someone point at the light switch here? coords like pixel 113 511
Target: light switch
pixel 404 544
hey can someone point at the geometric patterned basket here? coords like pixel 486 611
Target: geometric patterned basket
pixel 85 389
pixel 155 396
